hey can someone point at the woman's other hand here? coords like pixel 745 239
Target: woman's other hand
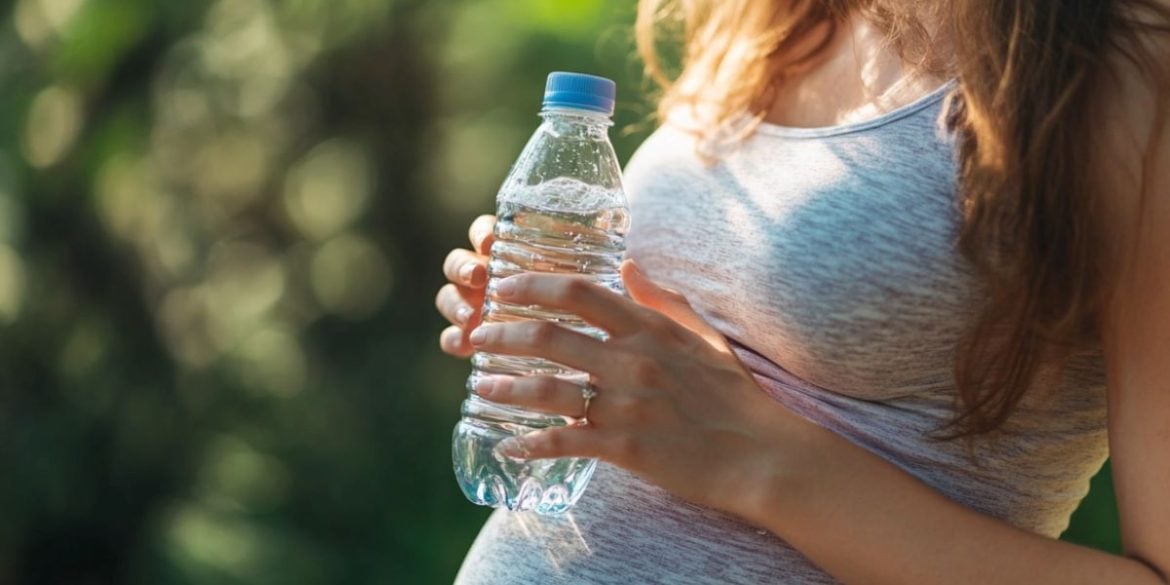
pixel 461 300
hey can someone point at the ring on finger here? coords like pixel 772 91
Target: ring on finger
pixel 588 393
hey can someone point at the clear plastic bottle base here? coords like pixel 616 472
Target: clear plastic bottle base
pixel 544 486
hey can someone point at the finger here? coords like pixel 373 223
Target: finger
pixel 453 341
pixel 480 233
pixel 556 443
pixel 456 305
pixel 670 303
pixel 466 268
pixel 548 394
pixel 543 339
pixel 592 302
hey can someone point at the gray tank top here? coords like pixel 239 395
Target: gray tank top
pixel 828 257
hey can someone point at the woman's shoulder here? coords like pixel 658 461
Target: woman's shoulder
pixel 667 142
pixel 1131 106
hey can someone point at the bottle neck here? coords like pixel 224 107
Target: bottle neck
pixel 576 116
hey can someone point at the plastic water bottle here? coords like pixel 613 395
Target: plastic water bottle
pixel 562 209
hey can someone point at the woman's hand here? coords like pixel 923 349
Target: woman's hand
pixel 673 403
pixel 461 300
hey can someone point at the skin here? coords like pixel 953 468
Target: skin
pixel 676 407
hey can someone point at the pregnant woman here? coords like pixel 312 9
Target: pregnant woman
pixel 900 282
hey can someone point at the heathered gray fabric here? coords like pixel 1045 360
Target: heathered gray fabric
pixel 828 256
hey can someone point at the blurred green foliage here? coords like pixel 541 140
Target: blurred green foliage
pixel 221 231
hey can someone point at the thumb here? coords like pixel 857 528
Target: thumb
pixel 670 303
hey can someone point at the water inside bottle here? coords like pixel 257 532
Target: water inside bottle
pixel 560 226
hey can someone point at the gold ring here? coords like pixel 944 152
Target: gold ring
pixel 588 394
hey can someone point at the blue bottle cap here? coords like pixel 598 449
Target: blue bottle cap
pixel 580 90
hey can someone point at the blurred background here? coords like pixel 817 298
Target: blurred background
pixel 221 230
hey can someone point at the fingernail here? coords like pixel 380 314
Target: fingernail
pixel 463 314
pixel 451 337
pixel 477 336
pixel 478 275
pixel 484 386
pixel 472 275
pixel 506 287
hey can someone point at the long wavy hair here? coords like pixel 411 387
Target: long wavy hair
pixel 1024 114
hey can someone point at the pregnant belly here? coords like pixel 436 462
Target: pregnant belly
pixel 625 530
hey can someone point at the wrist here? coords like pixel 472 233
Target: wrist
pixel 786 475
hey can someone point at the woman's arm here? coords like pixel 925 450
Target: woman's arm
pixel 865 521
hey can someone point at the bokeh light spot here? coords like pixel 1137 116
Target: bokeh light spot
pixel 272 360
pixel 327 189
pixel 173 252
pixel 182 318
pixel 60 13
pixel 244 280
pixel 37 21
pixel 350 276
pixel 85 348
pixel 54 120
pixel 468 170
pixel 244 46
pixel 32 26
pixel 200 537
pixel 232 168
pixel 12 284
pixel 237 476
